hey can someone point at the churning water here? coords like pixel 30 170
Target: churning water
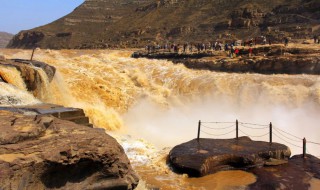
pixel 152 104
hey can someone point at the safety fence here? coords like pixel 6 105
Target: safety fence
pixel 220 129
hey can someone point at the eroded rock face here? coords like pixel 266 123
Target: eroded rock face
pixel 131 23
pixel 28 39
pixel 207 156
pixel 39 152
pixel 30 73
pixel 48 69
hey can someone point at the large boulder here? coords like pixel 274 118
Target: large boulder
pixel 41 152
pixel 206 156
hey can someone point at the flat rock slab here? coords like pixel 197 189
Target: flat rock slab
pixel 207 156
pixel 76 115
pixel 42 108
pixel 42 152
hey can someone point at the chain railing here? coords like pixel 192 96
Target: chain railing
pixel 219 129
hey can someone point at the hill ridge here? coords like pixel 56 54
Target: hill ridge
pixel 5 37
pixel 136 23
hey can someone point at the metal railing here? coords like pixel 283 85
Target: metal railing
pixel 219 129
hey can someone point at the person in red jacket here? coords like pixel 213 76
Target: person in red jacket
pixel 250 51
pixel 236 51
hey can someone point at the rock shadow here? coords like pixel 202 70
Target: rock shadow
pixel 58 175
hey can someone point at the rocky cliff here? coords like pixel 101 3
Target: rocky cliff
pixel 135 23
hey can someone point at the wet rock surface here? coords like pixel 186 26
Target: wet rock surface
pixel 42 152
pixel 30 73
pixel 207 156
pixel 296 174
pixel 269 163
pixel 48 69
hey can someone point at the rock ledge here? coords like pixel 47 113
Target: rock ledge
pixel 207 156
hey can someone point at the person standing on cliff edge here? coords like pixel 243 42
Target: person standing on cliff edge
pixel 250 51
pixel 286 41
pixel 231 51
pixel 270 42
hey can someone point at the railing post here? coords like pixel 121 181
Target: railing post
pixel 237 129
pixel 32 53
pixel 270 133
pixel 199 126
pixel 304 147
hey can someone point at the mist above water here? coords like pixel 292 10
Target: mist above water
pixel 175 125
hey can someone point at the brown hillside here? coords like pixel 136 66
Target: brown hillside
pixel 4 39
pixel 134 23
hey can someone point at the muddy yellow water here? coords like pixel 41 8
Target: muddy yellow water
pixel 220 181
pixel 159 103
pixel 314 184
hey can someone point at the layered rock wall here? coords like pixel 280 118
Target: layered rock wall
pixel 134 23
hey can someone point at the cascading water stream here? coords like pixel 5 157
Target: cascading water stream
pixel 161 102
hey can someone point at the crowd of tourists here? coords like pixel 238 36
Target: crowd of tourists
pixel 232 48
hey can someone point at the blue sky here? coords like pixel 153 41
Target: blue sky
pixel 17 15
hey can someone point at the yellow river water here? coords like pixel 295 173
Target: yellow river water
pixel 149 105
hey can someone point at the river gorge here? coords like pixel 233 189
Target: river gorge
pixel 149 106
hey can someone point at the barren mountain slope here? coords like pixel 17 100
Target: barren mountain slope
pixel 4 39
pixel 134 23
